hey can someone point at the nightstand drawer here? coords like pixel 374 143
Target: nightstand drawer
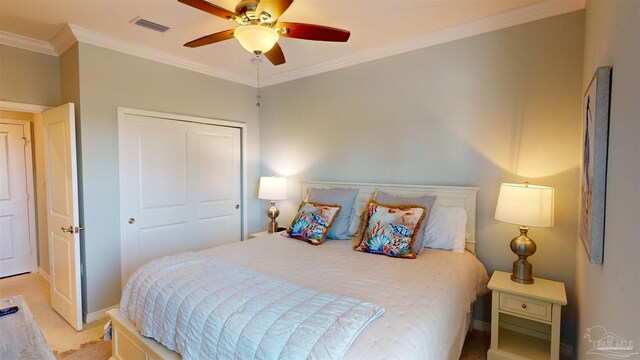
pixel 524 306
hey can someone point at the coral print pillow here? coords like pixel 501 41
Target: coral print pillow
pixel 313 221
pixel 391 229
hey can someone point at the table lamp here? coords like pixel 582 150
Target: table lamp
pixel 524 205
pixel 273 188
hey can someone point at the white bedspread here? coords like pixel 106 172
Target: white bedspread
pixel 426 300
pixel 205 308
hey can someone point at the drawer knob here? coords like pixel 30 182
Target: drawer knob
pixel 524 306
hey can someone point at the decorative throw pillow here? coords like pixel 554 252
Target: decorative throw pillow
pixel 423 200
pixel 391 229
pixel 313 221
pixel 358 219
pixel 346 198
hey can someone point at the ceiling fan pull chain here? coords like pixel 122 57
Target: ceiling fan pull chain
pixel 258 97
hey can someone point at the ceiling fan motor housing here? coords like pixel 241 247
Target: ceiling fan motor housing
pixel 246 9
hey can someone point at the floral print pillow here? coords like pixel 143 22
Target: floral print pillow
pixel 391 229
pixel 313 221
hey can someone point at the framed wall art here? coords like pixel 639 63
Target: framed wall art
pixel 593 179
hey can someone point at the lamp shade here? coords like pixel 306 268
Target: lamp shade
pixel 526 205
pixel 272 188
pixel 257 39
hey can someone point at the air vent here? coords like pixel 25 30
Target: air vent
pixel 149 24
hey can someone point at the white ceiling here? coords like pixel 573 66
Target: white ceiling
pixel 378 28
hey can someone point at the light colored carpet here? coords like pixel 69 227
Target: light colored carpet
pixel 60 336
pixel 95 350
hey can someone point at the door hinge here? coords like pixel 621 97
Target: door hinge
pixel 81 270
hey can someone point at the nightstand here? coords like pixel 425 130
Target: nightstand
pixel 525 318
pixel 263 233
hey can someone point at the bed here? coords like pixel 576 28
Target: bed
pixel 427 300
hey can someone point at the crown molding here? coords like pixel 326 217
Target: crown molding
pixel 481 26
pixel 26 43
pixel 95 38
pixel 63 40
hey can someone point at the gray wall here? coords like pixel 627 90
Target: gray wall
pixel 107 80
pixel 29 77
pixel 609 294
pixel 499 107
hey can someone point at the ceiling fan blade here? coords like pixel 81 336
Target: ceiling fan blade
pixel 313 32
pixel 210 8
pixel 275 8
pixel 275 55
pixel 210 39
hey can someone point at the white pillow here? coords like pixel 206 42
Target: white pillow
pixel 446 229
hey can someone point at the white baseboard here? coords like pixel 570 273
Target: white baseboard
pixel 97 315
pixel 481 325
pixel 44 275
pixel 566 351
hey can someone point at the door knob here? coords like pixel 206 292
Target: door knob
pixel 70 229
pixel 132 220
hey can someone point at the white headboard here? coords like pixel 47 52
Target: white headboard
pixel 460 196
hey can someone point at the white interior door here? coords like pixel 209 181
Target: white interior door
pixel 179 187
pixel 62 213
pixel 15 246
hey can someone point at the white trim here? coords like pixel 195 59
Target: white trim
pixel 31 209
pixel 100 314
pixel 106 41
pixel 28 155
pixel 30 108
pixel 566 350
pixel 481 26
pixel 63 40
pixel 481 325
pixel 45 275
pixel 26 43
pixel 122 111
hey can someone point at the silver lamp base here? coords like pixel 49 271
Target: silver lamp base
pixel 524 247
pixel 273 213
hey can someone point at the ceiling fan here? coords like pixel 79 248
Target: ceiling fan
pixel 259 28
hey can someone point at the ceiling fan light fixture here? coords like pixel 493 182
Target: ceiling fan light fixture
pixel 256 39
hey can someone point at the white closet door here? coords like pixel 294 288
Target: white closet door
pixel 15 251
pixel 180 187
pixel 217 185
